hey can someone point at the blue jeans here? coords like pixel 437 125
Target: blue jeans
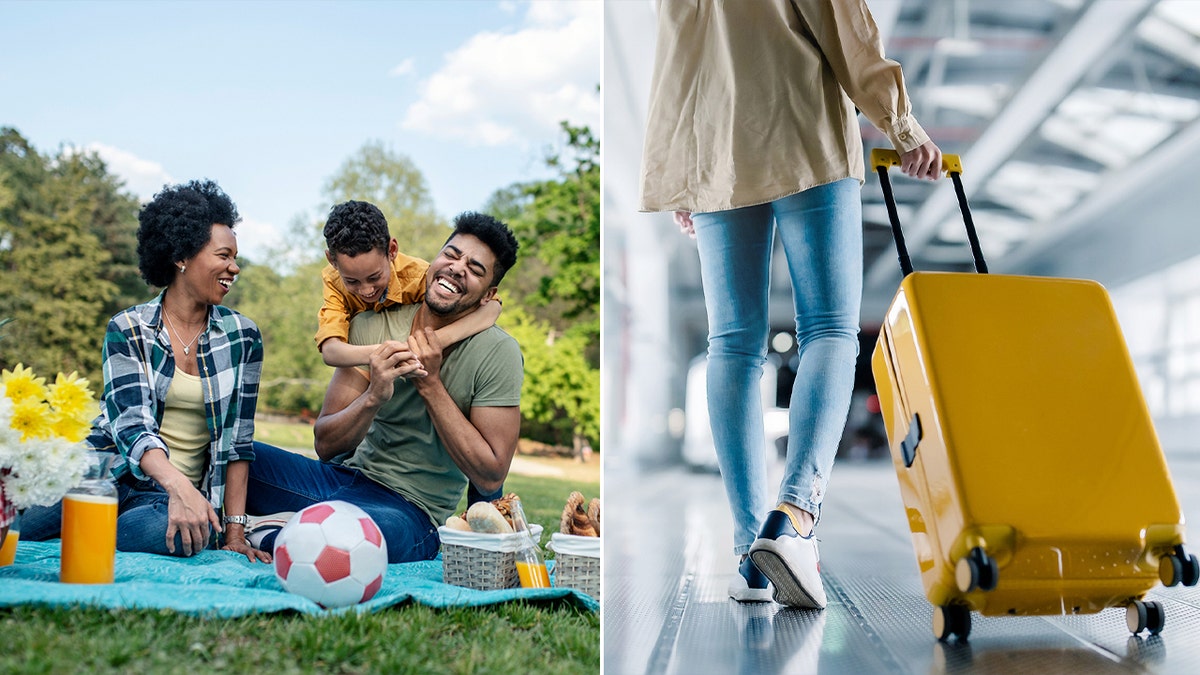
pixel 142 519
pixel 285 481
pixel 821 232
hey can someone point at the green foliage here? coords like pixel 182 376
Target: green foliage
pixel 392 182
pixel 557 222
pixel 285 308
pixel 67 255
pixel 561 393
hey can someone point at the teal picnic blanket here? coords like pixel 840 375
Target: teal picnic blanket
pixel 225 584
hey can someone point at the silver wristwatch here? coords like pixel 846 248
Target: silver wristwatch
pixel 242 520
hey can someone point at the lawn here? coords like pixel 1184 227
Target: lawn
pixel 512 637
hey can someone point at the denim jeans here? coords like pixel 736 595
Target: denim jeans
pixel 285 481
pixel 142 519
pixel 821 232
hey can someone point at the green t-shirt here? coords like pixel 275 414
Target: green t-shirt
pixel 402 450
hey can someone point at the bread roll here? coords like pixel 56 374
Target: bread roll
pixel 483 517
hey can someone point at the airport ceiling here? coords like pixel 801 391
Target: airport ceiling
pixel 1063 111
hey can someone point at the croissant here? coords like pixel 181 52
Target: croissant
pixel 504 506
pixel 593 512
pixel 575 518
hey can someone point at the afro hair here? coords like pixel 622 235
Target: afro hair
pixel 356 227
pixel 177 224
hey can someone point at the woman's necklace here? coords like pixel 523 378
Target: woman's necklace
pixel 187 347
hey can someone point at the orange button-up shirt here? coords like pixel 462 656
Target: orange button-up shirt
pixel 406 287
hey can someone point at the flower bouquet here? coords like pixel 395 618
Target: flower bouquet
pixel 42 428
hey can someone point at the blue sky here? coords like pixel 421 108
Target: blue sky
pixel 269 98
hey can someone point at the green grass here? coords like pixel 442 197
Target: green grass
pixel 511 637
pixel 284 434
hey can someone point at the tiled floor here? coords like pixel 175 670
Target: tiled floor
pixel 667 563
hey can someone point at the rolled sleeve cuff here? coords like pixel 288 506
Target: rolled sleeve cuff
pixel 327 332
pixel 242 452
pixel 140 446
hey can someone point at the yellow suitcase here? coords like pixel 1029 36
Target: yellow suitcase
pixel 1028 464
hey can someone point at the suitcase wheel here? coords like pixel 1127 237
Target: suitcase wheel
pixel 951 620
pixel 1179 567
pixel 976 570
pixel 1140 616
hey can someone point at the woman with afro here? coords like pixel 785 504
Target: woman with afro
pixel 181 376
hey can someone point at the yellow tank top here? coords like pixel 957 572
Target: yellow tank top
pixel 184 427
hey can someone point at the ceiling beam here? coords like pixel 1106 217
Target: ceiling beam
pixel 1103 24
pixel 1116 188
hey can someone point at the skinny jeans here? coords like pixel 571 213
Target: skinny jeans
pixel 821 233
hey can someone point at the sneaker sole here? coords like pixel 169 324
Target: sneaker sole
pixel 788 589
pixel 752 595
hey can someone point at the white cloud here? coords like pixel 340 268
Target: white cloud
pixel 142 177
pixel 515 87
pixel 405 67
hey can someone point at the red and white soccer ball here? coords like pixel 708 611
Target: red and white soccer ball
pixel 331 553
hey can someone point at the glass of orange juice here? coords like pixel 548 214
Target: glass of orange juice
pixel 89 525
pixel 8 547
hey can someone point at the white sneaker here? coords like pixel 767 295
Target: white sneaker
pixel 260 527
pixel 790 561
pixel 749 584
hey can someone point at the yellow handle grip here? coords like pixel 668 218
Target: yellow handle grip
pixel 886 157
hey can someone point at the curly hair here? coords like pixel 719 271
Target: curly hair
pixel 494 234
pixel 177 224
pixel 356 227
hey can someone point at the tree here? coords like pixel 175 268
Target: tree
pixel 65 262
pixel 560 397
pixel 285 307
pixel 392 182
pixel 557 222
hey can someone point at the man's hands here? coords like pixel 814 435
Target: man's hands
pixel 390 360
pixel 427 349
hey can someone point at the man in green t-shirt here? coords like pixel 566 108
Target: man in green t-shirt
pixel 421 420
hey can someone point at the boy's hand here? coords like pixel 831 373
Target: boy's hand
pixel 388 362
pixel 410 365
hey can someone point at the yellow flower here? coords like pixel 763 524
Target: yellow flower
pixel 69 427
pixel 31 418
pixel 70 395
pixel 20 384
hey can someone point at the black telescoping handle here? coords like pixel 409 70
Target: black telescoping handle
pixel 881 159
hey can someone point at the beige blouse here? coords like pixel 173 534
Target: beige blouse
pixel 753 100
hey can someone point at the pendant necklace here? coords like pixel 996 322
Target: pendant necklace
pixel 187 347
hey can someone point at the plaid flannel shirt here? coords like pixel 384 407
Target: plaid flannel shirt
pixel 138 367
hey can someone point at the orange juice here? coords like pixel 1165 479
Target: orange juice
pixel 89 538
pixel 533 575
pixel 9 548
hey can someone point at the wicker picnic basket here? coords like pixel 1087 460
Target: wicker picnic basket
pixel 485 562
pixel 576 562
